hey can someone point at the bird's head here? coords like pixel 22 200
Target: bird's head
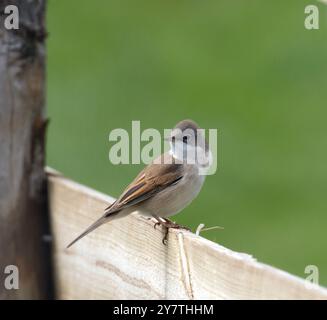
pixel 188 143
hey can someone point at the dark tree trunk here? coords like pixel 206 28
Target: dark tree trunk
pixel 23 213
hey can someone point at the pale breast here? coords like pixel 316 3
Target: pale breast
pixel 175 198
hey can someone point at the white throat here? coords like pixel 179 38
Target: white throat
pixel 189 154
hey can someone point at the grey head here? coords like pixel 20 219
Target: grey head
pixel 188 142
pixel 189 133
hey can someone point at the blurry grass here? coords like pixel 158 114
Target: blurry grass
pixel 249 69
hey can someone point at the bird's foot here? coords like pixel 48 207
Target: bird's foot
pixel 171 224
pixel 168 224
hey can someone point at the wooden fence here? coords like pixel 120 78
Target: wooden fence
pixel 125 259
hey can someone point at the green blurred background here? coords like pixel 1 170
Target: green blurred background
pixel 248 68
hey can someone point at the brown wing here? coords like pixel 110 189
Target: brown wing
pixel 151 180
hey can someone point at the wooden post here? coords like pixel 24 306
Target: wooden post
pixel 23 213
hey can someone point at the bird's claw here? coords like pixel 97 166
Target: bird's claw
pixel 169 224
pixel 156 224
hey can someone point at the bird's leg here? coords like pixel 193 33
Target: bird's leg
pixel 174 225
pixel 158 221
pixel 167 224
pixel 163 222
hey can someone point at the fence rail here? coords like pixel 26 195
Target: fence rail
pixel 125 259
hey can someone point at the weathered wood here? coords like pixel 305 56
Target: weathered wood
pixel 125 259
pixel 22 126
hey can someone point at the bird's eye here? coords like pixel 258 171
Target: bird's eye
pixel 185 139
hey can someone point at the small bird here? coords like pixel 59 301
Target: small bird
pixel 168 184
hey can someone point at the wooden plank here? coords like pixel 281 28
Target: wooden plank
pixel 23 212
pixel 125 259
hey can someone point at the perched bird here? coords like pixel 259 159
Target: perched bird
pixel 168 184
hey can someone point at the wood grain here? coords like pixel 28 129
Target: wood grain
pixel 125 259
pixel 22 128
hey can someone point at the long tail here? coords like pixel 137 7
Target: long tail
pixel 95 225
